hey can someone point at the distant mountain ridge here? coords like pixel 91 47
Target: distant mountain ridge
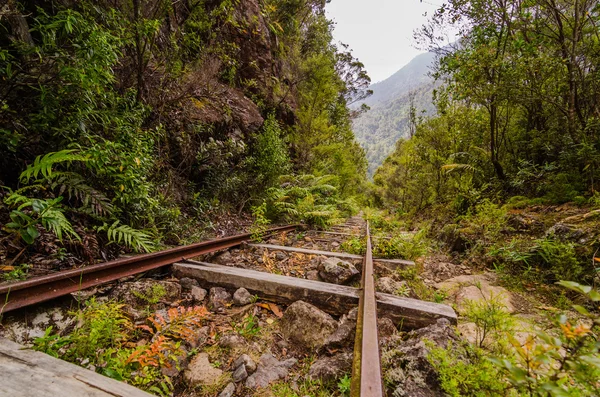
pixel 379 129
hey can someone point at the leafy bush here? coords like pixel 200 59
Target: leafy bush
pixel 405 247
pixel 354 245
pixel 308 198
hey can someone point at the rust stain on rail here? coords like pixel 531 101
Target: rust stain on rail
pixel 366 366
pixel 40 289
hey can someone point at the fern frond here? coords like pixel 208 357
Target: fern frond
pixel 125 234
pixel 53 219
pixel 43 164
pixel 74 185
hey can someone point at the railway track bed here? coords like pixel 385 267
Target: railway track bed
pixel 267 303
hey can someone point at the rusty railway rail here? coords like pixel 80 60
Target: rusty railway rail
pixel 40 289
pixel 366 365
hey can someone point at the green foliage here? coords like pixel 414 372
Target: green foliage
pixel 490 317
pixel 354 245
pixel 271 158
pixel 248 327
pixel 408 247
pixel 43 164
pixel 261 222
pixel 29 213
pixel 151 296
pixel 560 259
pixel 133 238
pixel 17 274
pixel 344 385
pixel 464 370
pixel 307 198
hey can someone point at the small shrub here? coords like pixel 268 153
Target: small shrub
pixel 344 385
pixel 248 327
pixel 151 296
pixel 559 259
pixel 490 318
pixel 354 245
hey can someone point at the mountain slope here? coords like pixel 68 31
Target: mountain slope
pixel 388 120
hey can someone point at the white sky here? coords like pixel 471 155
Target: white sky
pixel 380 32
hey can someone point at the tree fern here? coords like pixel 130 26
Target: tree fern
pixel 133 238
pixel 43 164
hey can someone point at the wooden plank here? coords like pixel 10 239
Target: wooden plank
pixel 342 255
pixel 30 373
pixel 332 298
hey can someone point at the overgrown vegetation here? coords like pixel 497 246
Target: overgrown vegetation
pixel 561 362
pixel 102 338
pixel 130 124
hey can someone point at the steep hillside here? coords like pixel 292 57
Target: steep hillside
pixel 388 120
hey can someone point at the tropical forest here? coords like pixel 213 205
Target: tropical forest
pixel 204 198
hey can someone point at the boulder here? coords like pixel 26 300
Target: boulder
pixel 269 370
pixel 305 324
pixel 337 271
pixel 468 288
pixel 329 369
pixel 201 373
pixel 219 298
pixel 408 371
pixel 242 297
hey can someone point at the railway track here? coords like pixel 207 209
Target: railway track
pixel 332 298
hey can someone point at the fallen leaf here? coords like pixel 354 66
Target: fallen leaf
pixel 7 268
pixel 276 310
pixel 270 321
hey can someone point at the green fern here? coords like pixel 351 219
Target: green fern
pixel 133 238
pixel 43 164
pixel 74 185
pixel 32 212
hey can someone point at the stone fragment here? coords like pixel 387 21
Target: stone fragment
pixel 337 271
pixel 201 373
pixel 198 294
pixel 219 298
pixel 224 259
pixel 228 391
pixel 280 256
pixel 345 332
pixel 240 374
pixel 187 283
pixel 313 275
pixel 242 297
pixel 269 370
pixel 305 324
pixel 331 368
pixel 385 327
pixel 247 361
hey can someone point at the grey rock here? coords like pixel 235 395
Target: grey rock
pixel 408 370
pixel 385 327
pixel 201 373
pixel 137 293
pixel 232 341
pixel 198 293
pixel 345 332
pixel 313 275
pixel 337 271
pixel 187 283
pixel 331 368
pixel 247 361
pixel 228 390
pixel 389 285
pixel 242 297
pixel 280 256
pixel 269 370
pixel 240 374
pixel 218 298
pixel 305 324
